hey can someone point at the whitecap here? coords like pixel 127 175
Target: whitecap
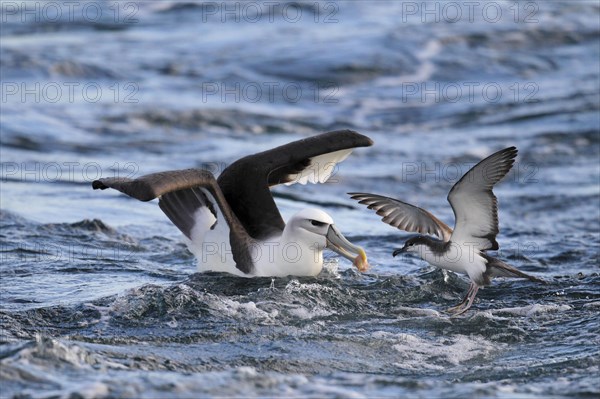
pixel 436 353
pixel 534 309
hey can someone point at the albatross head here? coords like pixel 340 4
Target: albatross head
pixel 315 229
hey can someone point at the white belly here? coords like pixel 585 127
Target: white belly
pixel 459 259
pixel 277 256
pixel 213 250
pixel 284 258
pixel 273 257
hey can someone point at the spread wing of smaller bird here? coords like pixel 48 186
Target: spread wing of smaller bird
pixel 474 204
pixel 404 216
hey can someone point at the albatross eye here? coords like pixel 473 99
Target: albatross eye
pixel 317 223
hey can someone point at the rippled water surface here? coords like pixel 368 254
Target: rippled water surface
pixel 99 295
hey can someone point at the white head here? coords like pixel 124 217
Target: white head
pixel 315 229
pixel 310 226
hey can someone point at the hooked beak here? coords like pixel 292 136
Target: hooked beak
pixel 338 243
pixel 399 251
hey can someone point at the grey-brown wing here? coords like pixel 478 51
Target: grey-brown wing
pixel 151 186
pixel 474 204
pixel 181 193
pixel 404 216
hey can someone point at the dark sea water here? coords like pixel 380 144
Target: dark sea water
pixel 99 298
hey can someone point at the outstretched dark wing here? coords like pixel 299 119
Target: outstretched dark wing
pixel 404 216
pixel 474 204
pixel 182 194
pixel 151 186
pixel 246 183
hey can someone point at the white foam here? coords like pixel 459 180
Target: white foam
pixel 332 266
pixel 534 309
pixel 75 355
pixel 246 310
pixel 296 286
pixel 595 304
pixel 417 311
pixel 303 313
pixel 436 353
pixel 94 389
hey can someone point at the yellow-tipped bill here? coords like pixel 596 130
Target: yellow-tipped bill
pixel 361 262
pixel 338 243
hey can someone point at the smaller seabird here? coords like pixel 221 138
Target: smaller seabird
pixel 462 250
pixel 232 223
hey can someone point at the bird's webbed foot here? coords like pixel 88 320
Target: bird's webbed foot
pixel 466 303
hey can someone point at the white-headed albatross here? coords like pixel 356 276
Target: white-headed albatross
pixel 461 250
pixel 232 223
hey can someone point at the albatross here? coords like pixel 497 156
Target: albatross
pixel 232 224
pixel 462 249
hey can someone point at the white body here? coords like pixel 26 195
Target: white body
pixel 460 258
pixel 197 204
pixel 297 251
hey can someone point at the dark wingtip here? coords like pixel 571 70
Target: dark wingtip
pixel 97 184
pixel 362 140
pixel 511 151
pixel 369 141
